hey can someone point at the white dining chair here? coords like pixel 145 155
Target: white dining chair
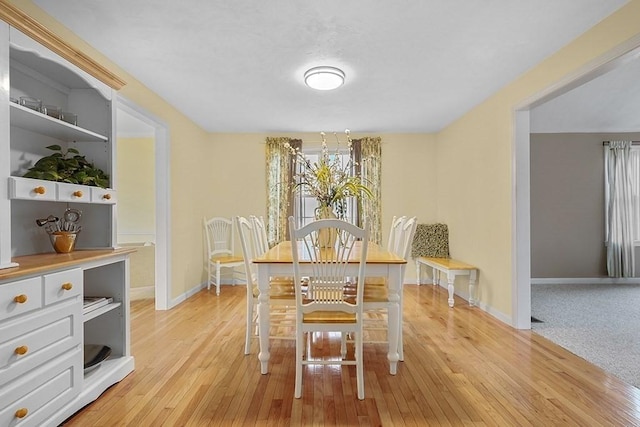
pixel 281 291
pixel 394 233
pixel 376 292
pixel 220 251
pixel 260 233
pixel 325 307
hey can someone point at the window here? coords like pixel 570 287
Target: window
pixel 305 204
pixel 280 205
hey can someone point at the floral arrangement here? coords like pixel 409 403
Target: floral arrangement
pixel 330 180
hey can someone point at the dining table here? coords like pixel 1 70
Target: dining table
pixel 278 262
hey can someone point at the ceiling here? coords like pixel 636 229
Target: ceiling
pixel 415 66
pixel 609 103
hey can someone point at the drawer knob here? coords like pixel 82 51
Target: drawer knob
pixel 20 299
pixel 77 193
pixel 67 286
pixel 40 190
pixel 23 349
pixel 107 196
pixel 22 412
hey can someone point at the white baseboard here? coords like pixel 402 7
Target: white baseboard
pixel 464 294
pixel 191 292
pixel 180 298
pixel 585 280
pixel 143 292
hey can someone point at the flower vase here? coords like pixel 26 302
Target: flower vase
pixel 326 236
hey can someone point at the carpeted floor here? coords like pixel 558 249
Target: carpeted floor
pixel 598 322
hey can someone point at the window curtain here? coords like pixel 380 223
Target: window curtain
pixel 280 171
pixel 620 209
pixel 367 155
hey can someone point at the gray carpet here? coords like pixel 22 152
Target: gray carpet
pixel 598 322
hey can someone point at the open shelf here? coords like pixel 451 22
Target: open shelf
pixel 100 310
pixel 35 121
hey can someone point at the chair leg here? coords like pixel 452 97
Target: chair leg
pixel 400 343
pixel 248 333
pixel 217 278
pixel 299 352
pixel 209 275
pixel 359 365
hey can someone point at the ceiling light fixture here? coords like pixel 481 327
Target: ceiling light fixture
pixel 324 78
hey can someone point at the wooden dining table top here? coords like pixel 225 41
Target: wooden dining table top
pixel 281 253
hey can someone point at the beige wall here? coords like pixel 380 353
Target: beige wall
pixel 567 204
pixel 136 164
pixel 476 155
pixel 238 163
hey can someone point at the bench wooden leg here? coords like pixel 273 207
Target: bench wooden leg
pixel 472 283
pixel 451 278
pixel 418 264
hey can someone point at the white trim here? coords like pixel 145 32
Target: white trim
pixel 520 229
pixel 464 294
pixel 135 135
pixel 163 201
pixel 521 284
pixel 191 292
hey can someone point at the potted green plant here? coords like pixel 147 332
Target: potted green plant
pixel 68 166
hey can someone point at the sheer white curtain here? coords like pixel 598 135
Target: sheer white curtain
pixel 621 170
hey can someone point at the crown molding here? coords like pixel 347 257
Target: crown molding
pixel 32 28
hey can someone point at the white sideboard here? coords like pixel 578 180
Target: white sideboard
pixel 43 327
pixel 43 332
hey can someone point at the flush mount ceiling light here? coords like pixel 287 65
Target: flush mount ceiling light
pixel 324 78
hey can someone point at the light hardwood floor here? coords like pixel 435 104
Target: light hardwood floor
pixel 462 367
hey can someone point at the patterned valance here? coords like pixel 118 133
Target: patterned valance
pixel 431 240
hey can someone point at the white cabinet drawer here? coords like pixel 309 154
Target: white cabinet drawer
pixel 62 285
pixel 32 340
pixel 20 297
pixel 41 393
pixel 31 189
pixel 38 189
pixel 73 193
pixel 103 195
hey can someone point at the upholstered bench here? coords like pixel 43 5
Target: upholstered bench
pixel 452 268
pixel 431 247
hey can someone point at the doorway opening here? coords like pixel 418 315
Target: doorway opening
pixel 143 200
pixel 521 191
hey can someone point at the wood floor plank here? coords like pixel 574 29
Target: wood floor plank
pixel 462 367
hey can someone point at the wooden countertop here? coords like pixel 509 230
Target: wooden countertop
pixel 37 263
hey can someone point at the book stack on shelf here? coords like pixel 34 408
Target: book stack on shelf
pixel 93 303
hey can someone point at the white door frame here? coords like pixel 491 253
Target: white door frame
pixel 162 180
pixel 521 209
